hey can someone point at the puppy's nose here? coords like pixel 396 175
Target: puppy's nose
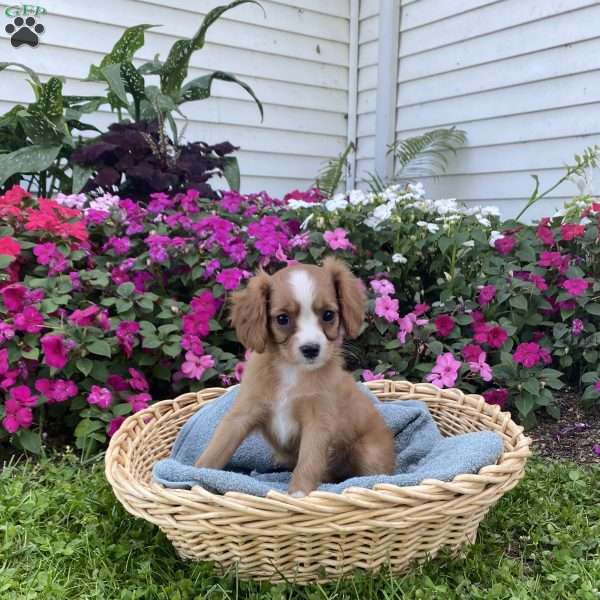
pixel 310 351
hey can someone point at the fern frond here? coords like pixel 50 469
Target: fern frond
pixel 332 173
pixel 426 155
pixel 375 182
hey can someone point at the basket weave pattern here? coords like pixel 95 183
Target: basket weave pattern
pixel 323 535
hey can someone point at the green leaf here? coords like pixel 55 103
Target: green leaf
pixel 436 347
pixel 231 172
pixel 593 308
pixel 463 319
pixel 30 441
pixel 172 350
pixel 126 289
pixel 175 69
pixel 81 176
pixel 127 45
pixel 51 100
pixel 30 72
pixel 5 260
pixel 525 404
pixel 123 305
pixel 518 302
pixel 99 347
pixel 112 75
pixel 86 426
pixel 134 82
pixel 85 365
pixel 31 159
pixel 200 88
pixel 32 354
pixel 532 386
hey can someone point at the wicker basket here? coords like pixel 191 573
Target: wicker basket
pixel 323 535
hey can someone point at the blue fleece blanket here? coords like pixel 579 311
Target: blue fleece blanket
pixel 421 452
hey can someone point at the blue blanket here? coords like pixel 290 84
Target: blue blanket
pixel 421 452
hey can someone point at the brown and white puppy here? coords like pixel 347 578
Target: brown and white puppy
pixel 294 389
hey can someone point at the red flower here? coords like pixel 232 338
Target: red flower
pixel 496 336
pixel 570 231
pixel 9 246
pixel 444 325
pixel 471 352
pixel 544 233
pixel 497 396
pixel 56 352
pixel 13 297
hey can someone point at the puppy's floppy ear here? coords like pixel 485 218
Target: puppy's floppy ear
pixel 250 312
pixel 350 293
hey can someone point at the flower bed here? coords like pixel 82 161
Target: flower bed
pixel 107 302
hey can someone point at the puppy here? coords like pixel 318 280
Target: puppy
pixel 294 389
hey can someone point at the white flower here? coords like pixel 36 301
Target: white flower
pixel 445 206
pixel 357 197
pixel 105 202
pixel 416 189
pixel 584 182
pixel 490 211
pixel 431 227
pixel 494 237
pixel 72 200
pixel 399 258
pixel 483 221
pixel 298 204
pixel 469 244
pixel 338 202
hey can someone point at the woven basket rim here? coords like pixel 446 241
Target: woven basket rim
pixel 507 464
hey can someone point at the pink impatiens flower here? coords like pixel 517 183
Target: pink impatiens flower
pixel 576 287
pixel 570 231
pixel 444 325
pixel 230 278
pixel 554 260
pixel 505 244
pixel 100 396
pixel 471 352
pixel 486 294
pixel 56 390
pixel 114 425
pixel 407 323
pixel 195 366
pixel 138 381
pixel 337 239
pixel 22 394
pixel 13 297
pixel 139 401
pixel 56 351
pixel 368 375
pixel 29 320
pixel 383 287
pixel 480 366
pixel 529 354
pixel 576 326
pixel 445 371
pixel 387 308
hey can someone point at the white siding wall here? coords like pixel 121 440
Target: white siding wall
pixel 367 86
pixel 520 77
pixel 295 58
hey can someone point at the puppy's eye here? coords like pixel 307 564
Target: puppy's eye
pixel 328 315
pixel 283 320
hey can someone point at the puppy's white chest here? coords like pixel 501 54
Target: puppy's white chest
pixel 283 424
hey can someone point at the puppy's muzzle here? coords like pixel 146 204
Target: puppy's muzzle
pixel 310 351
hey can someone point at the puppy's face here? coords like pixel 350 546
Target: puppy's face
pixel 301 312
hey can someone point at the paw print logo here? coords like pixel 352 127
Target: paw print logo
pixel 24 31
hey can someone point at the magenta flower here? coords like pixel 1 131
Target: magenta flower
pixel 56 390
pixel 471 352
pixel 368 375
pixel 576 287
pixel 596 449
pixel 497 396
pixel 126 334
pixel 138 381
pixel 544 234
pixel 505 244
pixel 337 239
pixel 496 336
pixel 231 202
pixel 56 352
pixel 481 367
pixel 444 325
pixel 100 396
pixel 16 416
pixel 114 425
pixel 6 332
pixel 139 401
pixel 211 267
pixel 569 231
pixel 407 324
pixel 383 287
pixel 445 371
pixel 44 253
pixel 421 309
pixel 3 360
pixel 120 245
pixel 554 260
pixel 29 320
pixel 22 394
pixel 194 366
pixel 301 240
pixel 13 297
pixel 576 326
pixel 85 317
pixel 230 279
pixel 597 385
pixel 486 294
pixel 117 383
pixel 387 308
pixel 529 354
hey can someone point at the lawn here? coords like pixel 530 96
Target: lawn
pixel 63 535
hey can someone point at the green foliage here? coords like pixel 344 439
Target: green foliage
pixel 332 174
pixel 66 537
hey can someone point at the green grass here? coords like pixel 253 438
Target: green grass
pixel 63 535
